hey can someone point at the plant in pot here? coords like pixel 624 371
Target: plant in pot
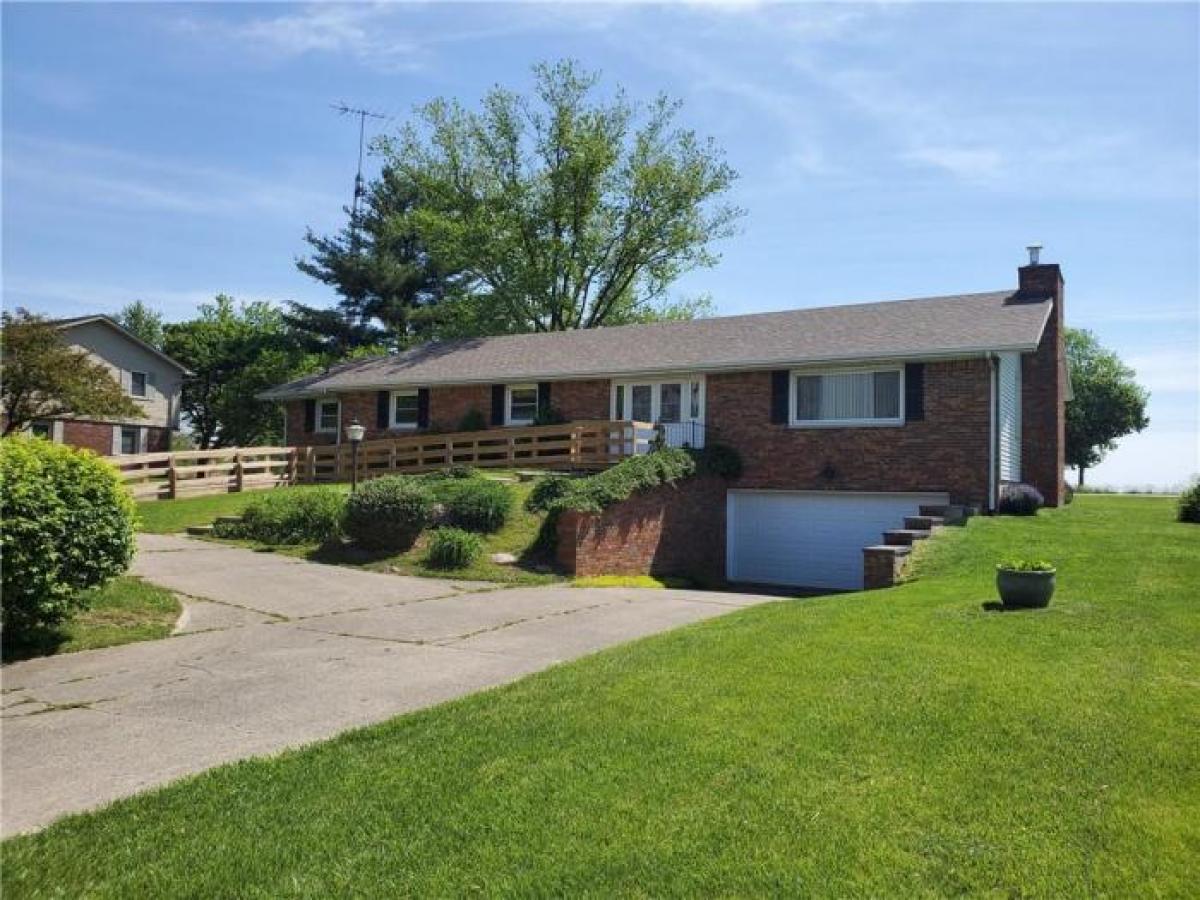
pixel 1025 583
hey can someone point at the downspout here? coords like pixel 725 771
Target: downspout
pixel 993 430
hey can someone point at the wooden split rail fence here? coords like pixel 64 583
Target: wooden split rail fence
pixel 575 445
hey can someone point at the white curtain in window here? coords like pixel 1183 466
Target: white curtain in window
pixel 848 395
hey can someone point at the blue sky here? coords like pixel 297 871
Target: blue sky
pixel 169 152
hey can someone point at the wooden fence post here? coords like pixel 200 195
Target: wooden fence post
pixel 172 478
pixel 238 477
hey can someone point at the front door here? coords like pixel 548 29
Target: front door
pixel 675 405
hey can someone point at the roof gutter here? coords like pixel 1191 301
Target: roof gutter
pixel 757 365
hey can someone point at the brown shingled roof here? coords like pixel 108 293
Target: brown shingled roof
pixel 926 327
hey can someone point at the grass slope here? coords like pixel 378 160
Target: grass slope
pixel 896 743
pixel 170 516
pixel 124 610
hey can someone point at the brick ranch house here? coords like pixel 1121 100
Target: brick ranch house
pixel 847 419
pixel 148 376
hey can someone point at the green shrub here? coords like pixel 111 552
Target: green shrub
pixel 720 460
pixel 67 525
pixel 638 473
pixel 546 490
pixel 476 504
pixel 389 513
pixel 290 517
pixel 1189 503
pixel 453 548
pixel 473 420
pixel 1020 500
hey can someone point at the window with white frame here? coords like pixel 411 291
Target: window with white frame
pixel 137 384
pixel 328 415
pixel 669 400
pixel 848 397
pixel 129 440
pixel 405 409
pixel 522 404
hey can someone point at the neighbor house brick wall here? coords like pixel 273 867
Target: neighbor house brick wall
pixel 1043 391
pixel 676 529
pixel 946 451
pixel 97 436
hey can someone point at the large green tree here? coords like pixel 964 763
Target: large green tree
pixel 235 351
pixel 42 376
pixel 143 322
pixel 1107 404
pixel 388 285
pixel 563 209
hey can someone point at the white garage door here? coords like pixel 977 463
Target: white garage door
pixel 811 538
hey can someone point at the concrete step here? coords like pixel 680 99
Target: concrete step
pixel 199 530
pixel 924 523
pixel 948 514
pixel 891 549
pixel 899 537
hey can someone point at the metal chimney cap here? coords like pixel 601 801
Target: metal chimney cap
pixel 1035 251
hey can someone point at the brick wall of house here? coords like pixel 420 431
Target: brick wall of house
pixel 671 530
pixel 447 407
pixel 96 436
pixel 1043 389
pixel 947 451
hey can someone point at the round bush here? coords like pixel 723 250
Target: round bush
pixel 1189 504
pixel 453 548
pixel 389 513
pixel 1020 500
pixel 67 525
pixel 290 516
pixel 478 504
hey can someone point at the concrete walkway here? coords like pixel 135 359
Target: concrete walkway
pixel 276 652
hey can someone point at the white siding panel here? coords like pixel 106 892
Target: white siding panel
pixel 1010 416
pixel 811 538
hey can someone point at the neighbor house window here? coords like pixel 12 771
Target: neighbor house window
pixel 405 409
pixel 129 440
pixel 522 404
pixel 137 384
pixel 328 415
pixel 42 428
pixel 849 397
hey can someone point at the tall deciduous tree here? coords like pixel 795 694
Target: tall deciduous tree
pixel 557 211
pixel 235 351
pixel 42 376
pixel 1107 405
pixel 143 322
pixel 387 282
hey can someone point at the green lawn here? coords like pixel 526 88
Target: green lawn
pixel 905 742
pixel 124 610
pixel 170 516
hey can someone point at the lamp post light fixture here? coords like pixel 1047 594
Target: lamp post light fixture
pixel 355 433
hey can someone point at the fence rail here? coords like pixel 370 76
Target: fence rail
pixel 189 473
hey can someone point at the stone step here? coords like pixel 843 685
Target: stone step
pixel 199 530
pixel 924 523
pixel 949 514
pixel 904 536
pixel 890 549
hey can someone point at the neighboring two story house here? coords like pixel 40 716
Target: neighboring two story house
pixel 151 378
pixel 846 418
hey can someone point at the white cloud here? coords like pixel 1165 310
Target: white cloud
pixel 86 173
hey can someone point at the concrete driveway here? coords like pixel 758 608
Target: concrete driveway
pixel 276 652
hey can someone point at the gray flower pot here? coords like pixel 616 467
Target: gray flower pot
pixel 1025 590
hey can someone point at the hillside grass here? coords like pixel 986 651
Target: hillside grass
pixel 898 743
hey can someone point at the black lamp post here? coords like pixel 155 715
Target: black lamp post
pixel 355 433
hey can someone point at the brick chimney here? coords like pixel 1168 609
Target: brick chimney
pixel 1044 383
